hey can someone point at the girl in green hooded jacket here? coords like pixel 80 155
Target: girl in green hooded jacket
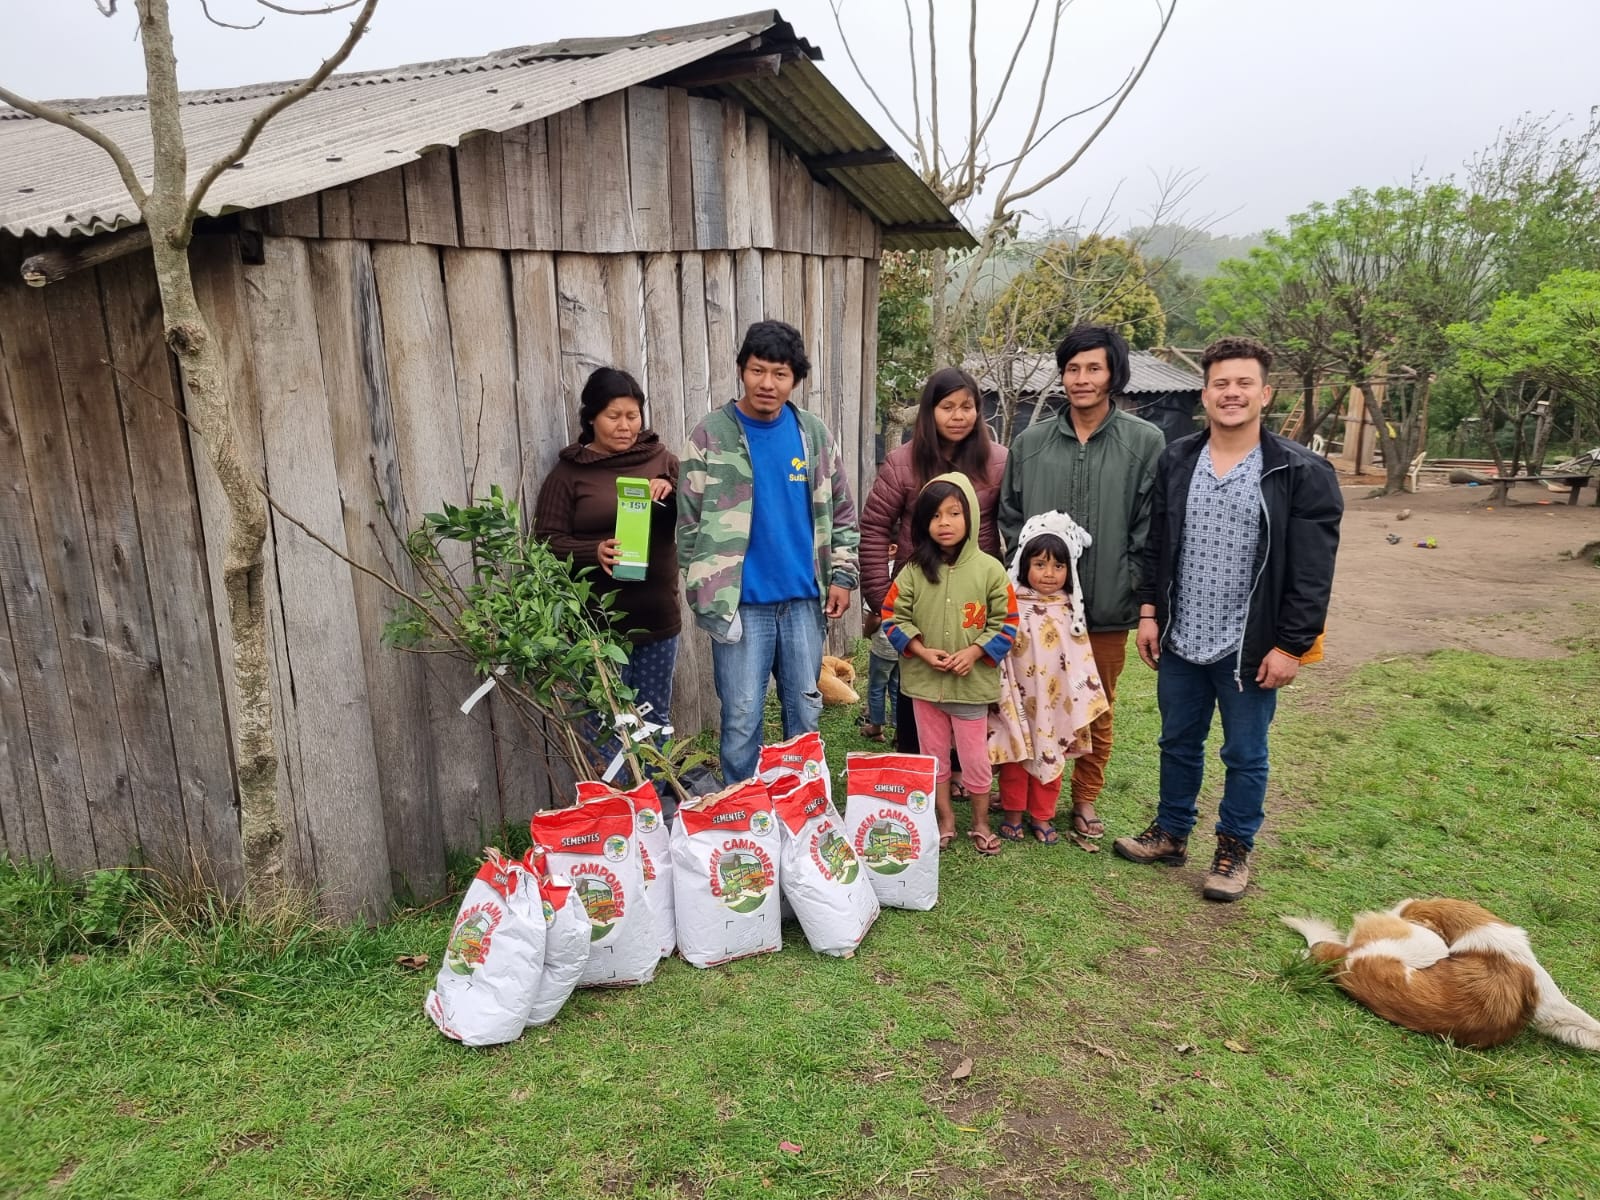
pixel 951 612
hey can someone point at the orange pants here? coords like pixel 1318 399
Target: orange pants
pixel 1089 771
pixel 1021 792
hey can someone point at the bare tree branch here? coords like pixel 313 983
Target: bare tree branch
pixel 300 91
pixel 205 7
pixel 1166 20
pixel 916 84
pixel 1005 80
pixel 867 83
pixel 1071 116
pixel 324 10
pixel 971 169
pixel 82 128
pixel 933 93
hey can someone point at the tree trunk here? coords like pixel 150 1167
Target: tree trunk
pixel 943 337
pixel 1395 460
pixel 1544 417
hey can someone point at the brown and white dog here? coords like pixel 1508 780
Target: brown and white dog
pixel 1450 968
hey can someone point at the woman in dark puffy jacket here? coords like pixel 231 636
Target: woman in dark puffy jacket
pixel 949 435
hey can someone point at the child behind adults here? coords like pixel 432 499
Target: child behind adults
pixel 952 614
pixel 1050 689
pixel 883 670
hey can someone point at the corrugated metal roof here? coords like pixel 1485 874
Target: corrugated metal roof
pixel 1038 373
pixel 359 124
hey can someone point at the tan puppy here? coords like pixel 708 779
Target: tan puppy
pixel 1450 968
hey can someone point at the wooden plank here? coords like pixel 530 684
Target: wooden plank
pixel 338 221
pixel 94 827
pixel 219 281
pixel 822 219
pixel 665 386
pixel 31 774
pixel 869 380
pixel 758 183
pixel 481 192
pixel 706 162
pixel 361 422
pixel 801 190
pixel 772 287
pixel 625 308
pixel 431 199
pixel 584 317
pixel 378 207
pixel 749 303
pixel 723 336
pixel 173 545
pixel 782 209
pixel 649 174
pixel 577 226
pixel 297 217
pixel 427 424
pixel 518 174
pixel 833 340
pixel 544 185
pixel 541 405
pixel 856 395
pixel 813 391
pixel 697 395
pixel 794 289
pixel 735 174
pixel 483 351
pixel 680 169
pixel 343 802
pixel 610 221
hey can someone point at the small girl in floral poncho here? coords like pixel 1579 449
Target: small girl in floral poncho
pixel 1050 690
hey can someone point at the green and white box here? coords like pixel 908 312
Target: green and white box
pixel 633 529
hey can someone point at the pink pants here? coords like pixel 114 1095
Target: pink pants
pixel 935 732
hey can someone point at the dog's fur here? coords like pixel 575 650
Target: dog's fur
pixel 1449 968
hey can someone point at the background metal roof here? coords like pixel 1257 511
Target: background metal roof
pixel 54 182
pixel 1038 373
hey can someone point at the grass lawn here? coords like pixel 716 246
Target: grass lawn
pixel 1125 1037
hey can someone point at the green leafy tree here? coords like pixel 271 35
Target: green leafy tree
pixel 905 335
pixel 1096 278
pixel 1536 356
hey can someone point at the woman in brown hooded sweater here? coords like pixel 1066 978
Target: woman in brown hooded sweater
pixel 577 515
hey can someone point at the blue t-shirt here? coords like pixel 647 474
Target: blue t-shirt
pixel 781 562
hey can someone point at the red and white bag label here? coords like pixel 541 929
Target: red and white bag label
pixel 595 845
pixel 566 947
pixel 491 964
pixel 893 826
pixel 803 754
pixel 655 852
pixel 821 875
pixel 725 852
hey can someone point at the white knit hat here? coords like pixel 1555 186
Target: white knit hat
pixel 1077 539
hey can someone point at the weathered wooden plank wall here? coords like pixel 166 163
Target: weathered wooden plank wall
pixel 410 339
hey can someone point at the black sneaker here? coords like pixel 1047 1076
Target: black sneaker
pixel 1230 871
pixel 1154 845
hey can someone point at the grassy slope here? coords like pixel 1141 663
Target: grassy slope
pixel 1126 1038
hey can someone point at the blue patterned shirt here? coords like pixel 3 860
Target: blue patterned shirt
pixel 1222 525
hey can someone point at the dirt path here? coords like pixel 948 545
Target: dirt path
pixel 1495 584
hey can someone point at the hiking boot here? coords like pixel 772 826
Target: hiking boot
pixel 1154 845
pixel 1230 871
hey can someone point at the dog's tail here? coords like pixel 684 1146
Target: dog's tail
pixel 1324 942
pixel 1555 1016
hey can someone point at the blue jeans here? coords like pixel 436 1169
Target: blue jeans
pixel 777 641
pixel 883 688
pixel 1187 694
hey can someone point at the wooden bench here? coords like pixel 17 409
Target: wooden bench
pixel 1574 484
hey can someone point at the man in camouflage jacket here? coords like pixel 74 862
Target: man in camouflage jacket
pixel 767 542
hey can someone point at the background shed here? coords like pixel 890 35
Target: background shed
pixel 412 273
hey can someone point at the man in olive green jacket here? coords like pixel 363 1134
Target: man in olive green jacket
pixel 1097 464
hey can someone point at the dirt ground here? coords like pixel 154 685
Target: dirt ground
pixel 1497 583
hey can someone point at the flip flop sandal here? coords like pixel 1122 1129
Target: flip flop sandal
pixel 946 840
pixel 958 792
pixel 1087 827
pixel 1045 832
pixel 986 843
pixel 1012 832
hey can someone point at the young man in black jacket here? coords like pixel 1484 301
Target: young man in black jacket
pixel 1238 568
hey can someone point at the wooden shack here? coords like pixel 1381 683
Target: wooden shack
pixel 413 272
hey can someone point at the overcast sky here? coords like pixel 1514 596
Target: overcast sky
pixel 1271 104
